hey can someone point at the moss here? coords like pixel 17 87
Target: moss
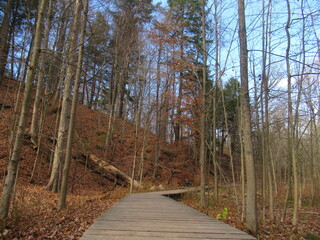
pixel 311 237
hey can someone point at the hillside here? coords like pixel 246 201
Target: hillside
pixel 90 192
pixel 90 139
pixel 34 213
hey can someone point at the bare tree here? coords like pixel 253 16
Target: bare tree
pixel 36 105
pixel 65 175
pixel 15 157
pixel 60 149
pixel 251 201
pixel 292 157
pixel 214 100
pixel 4 34
pixel 203 110
pixel 266 158
pixel 293 121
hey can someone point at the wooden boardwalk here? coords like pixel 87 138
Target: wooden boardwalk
pixel 154 216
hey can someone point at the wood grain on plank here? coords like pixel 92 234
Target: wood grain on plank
pixel 154 216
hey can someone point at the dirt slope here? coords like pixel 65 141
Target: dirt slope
pixel 175 165
pixel 34 214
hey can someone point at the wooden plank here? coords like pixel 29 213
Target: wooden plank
pixel 167 235
pixel 101 237
pixel 153 216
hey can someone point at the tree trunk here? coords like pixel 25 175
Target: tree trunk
pixel 54 85
pixel 15 158
pixel 229 145
pixel 214 101
pixel 36 104
pixel 60 149
pixel 66 169
pixel 243 181
pixel 291 127
pixel 266 127
pixel 203 113
pixel 158 116
pixel 251 202
pixel 111 172
pixel 4 35
pixel 135 151
pixel 144 143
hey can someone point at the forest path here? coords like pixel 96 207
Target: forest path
pixel 155 216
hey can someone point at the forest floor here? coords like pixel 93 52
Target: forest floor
pixel 34 213
pixel 35 216
pixel 308 227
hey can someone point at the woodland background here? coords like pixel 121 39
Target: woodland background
pixel 190 92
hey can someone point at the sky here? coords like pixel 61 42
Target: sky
pixel 163 2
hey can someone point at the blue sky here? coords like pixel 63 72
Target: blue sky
pixel 163 2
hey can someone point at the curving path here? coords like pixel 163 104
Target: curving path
pixel 154 216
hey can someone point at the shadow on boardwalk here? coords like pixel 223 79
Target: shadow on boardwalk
pixel 155 216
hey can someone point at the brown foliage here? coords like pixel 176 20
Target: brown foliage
pixel 307 227
pixel 34 214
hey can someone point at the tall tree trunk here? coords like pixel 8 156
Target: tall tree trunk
pixel 266 126
pixel 4 35
pixel 36 104
pixel 58 67
pixel 243 181
pixel 158 116
pixel 11 38
pixel 144 143
pixel 214 101
pixel 60 149
pixel 93 87
pixel 15 158
pixel 20 70
pixel 314 159
pixel 291 127
pixel 62 204
pixel 135 148
pixel 178 125
pixel 203 112
pixel 251 201
pixel 229 145
pixel 164 109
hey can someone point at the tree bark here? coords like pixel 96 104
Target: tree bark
pixel 266 127
pixel 214 101
pixel 111 172
pixel 203 113
pixel 53 84
pixel 62 204
pixel 291 125
pixel 251 201
pixel 158 116
pixel 15 158
pixel 36 104
pixel 4 35
pixel 60 149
